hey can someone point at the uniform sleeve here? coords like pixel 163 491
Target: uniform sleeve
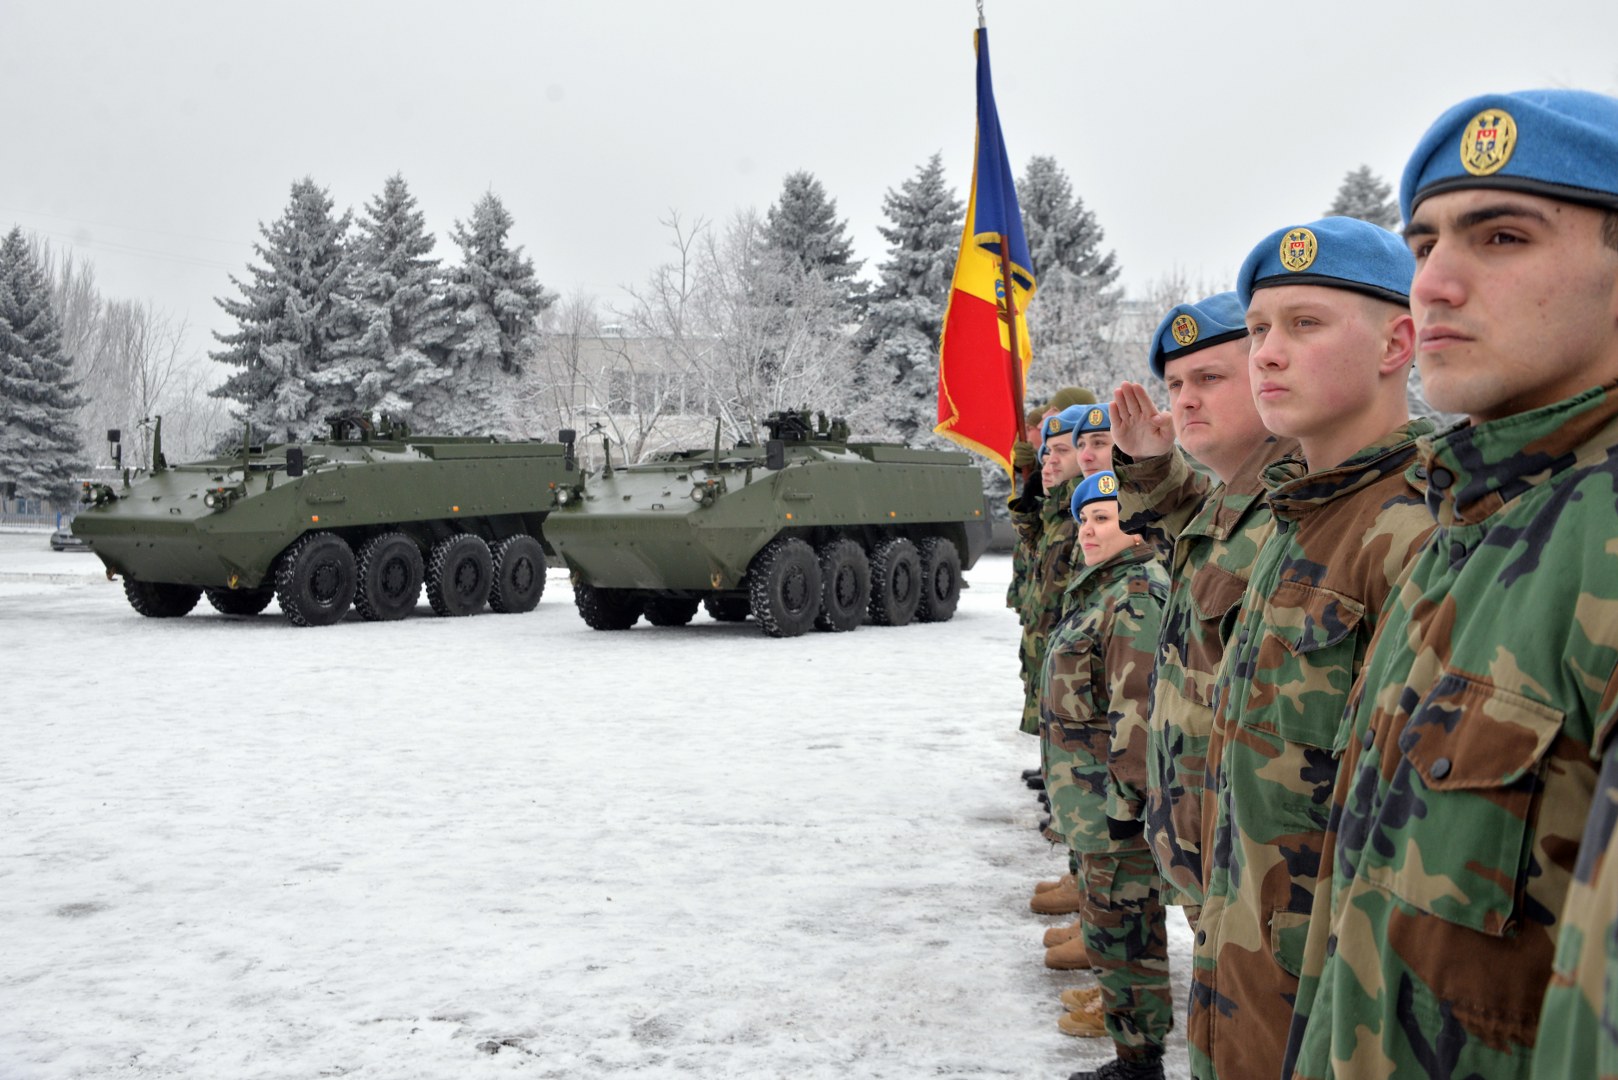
pixel 1130 652
pixel 1158 496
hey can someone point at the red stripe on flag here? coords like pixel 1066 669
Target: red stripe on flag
pixel 974 399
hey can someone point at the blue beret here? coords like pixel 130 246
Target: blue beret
pixel 1073 418
pixel 1094 418
pixel 1559 143
pixel 1190 327
pixel 1095 488
pixel 1340 252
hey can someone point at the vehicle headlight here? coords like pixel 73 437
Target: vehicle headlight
pixel 563 496
pixel 210 500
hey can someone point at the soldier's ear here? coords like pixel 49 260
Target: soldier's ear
pixel 1399 344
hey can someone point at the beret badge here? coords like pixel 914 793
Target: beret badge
pixel 1184 329
pixel 1298 250
pixel 1487 142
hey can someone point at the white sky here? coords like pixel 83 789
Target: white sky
pixel 156 136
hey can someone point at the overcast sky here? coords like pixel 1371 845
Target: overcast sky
pixel 155 136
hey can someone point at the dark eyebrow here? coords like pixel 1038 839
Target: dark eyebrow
pixel 1503 210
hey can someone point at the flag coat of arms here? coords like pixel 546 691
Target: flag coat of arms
pixel 980 386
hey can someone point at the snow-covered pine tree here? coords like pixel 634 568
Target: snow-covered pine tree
pixel 287 319
pixel 398 316
pixel 497 303
pixel 1073 311
pixel 802 227
pixel 898 374
pixel 39 438
pixel 1365 195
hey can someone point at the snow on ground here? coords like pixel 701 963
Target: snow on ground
pixel 512 846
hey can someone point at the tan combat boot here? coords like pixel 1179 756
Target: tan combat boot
pixel 1047 886
pixel 1086 1022
pixel 1071 955
pixel 1056 935
pixel 1080 998
pixel 1066 899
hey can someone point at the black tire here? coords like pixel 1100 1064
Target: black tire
pixel 315 579
pixel 940 580
pixel 519 575
pixel 606 609
pixel 895 582
pixel 845 586
pixel 670 610
pixel 460 574
pixel 158 600
pixel 240 601
pixel 390 577
pixel 727 608
pixel 783 587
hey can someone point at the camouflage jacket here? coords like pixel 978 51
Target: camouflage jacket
pixel 1097 668
pixel 1468 774
pixel 1212 537
pixel 1342 537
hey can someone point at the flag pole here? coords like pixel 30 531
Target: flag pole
pixel 1017 389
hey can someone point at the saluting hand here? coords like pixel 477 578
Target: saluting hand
pixel 1138 428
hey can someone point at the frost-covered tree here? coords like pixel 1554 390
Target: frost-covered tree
pixel 802 229
pixel 398 317
pixel 1076 303
pixel 898 375
pixel 749 329
pixel 39 439
pixel 1365 195
pixel 288 317
pixel 497 303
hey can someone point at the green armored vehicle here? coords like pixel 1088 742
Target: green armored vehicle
pixel 364 518
pixel 810 529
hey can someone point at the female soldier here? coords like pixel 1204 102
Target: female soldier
pixel 1093 719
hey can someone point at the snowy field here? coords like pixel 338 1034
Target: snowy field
pixel 511 846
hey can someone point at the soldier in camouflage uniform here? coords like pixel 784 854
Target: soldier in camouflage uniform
pixel 1331 343
pixel 1093 718
pixel 1468 772
pixel 1073 438
pixel 1209 531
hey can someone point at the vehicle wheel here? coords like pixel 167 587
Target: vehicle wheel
pixel 459 575
pixel 727 608
pixel 157 600
pixel 519 575
pixel 390 577
pixel 783 587
pixel 940 580
pixel 606 609
pixel 845 586
pixel 895 582
pixel 670 610
pixel 315 578
pixel 240 601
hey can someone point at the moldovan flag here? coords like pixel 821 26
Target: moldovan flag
pixel 979 387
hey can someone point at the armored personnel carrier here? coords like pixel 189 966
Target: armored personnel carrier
pixel 363 518
pixel 811 529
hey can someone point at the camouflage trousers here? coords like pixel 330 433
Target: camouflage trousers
pixel 1031 655
pixel 1126 934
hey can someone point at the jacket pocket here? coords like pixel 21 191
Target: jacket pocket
pixel 1288 931
pixel 1305 665
pixel 1453 830
pixel 1215 592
